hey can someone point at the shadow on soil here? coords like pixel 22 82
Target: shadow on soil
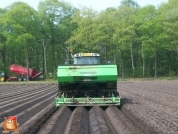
pixel 72 108
pixel 123 102
pixel 126 101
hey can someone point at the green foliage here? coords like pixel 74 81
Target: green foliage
pixel 141 40
pixel 84 37
pixel 55 28
pixel 172 73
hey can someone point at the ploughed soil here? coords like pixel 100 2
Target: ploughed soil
pixel 148 107
pixel 153 102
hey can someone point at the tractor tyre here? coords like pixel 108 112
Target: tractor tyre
pixel 25 78
pixel 20 78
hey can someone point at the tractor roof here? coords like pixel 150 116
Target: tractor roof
pixel 86 54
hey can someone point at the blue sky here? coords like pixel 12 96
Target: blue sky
pixel 95 4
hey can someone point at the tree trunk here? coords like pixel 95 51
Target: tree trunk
pixel 122 62
pixel 143 60
pixel 177 61
pixel 3 52
pixel 155 64
pixel 44 56
pixel 27 63
pixel 114 53
pixel 131 54
pixel 106 54
pixel 53 56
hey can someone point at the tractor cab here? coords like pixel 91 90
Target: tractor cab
pixel 86 59
pixel 3 76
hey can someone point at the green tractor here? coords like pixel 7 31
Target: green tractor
pixel 87 82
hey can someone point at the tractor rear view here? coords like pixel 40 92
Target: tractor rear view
pixel 87 82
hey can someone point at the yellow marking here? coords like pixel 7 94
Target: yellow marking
pixel 86 54
pixel 2 79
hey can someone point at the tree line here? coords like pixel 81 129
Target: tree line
pixel 142 41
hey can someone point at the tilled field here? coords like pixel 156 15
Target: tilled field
pixel 148 107
pixel 154 102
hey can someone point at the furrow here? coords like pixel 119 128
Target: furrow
pixel 18 92
pixel 78 122
pixel 32 125
pixel 119 122
pixel 19 101
pixel 57 122
pixel 25 105
pixel 97 122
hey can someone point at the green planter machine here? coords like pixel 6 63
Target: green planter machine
pixel 87 82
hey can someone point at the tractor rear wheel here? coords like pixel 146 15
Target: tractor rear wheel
pixel 24 78
pixel 20 78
